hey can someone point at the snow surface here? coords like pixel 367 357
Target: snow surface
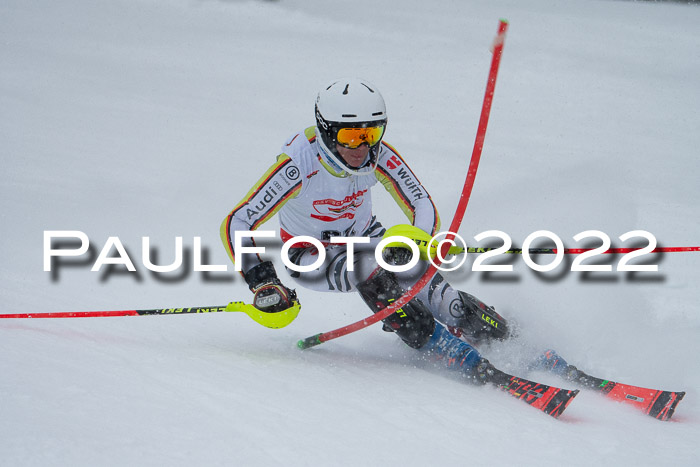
pixel 153 118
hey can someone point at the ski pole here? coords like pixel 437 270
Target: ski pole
pixel 459 213
pixel 270 320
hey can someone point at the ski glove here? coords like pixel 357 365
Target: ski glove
pixel 270 295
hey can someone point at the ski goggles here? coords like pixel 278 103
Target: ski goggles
pixel 352 138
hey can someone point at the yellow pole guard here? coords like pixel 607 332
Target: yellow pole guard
pixel 420 237
pixel 274 320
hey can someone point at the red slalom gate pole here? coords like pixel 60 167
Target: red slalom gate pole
pixel 578 251
pixel 457 219
pixel 670 249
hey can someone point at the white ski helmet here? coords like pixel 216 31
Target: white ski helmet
pixel 350 103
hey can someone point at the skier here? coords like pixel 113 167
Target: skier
pixel 320 187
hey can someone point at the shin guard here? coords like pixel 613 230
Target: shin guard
pixel 481 322
pixel 413 323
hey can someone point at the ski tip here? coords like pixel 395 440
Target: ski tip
pixel 662 404
pixel 560 402
pixel 667 407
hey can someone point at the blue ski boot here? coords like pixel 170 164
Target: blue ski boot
pixel 458 355
pixel 551 361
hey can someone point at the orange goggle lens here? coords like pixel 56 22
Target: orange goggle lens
pixel 354 137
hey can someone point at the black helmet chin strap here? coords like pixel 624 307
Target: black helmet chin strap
pixel 372 156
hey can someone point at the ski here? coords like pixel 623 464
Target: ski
pixel 549 399
pixel 654 402
pixel 659 404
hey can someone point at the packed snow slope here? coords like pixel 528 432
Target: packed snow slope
pixel 148 118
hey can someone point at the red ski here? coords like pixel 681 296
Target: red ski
pixel 656 403
pixel 549 399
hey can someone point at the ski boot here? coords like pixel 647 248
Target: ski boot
pixel 551 361
pixel 459 355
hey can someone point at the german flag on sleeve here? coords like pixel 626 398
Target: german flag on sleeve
pixel 410 195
